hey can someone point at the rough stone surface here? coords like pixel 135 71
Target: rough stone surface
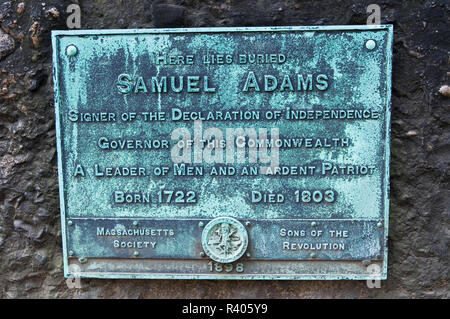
pixel 6 44
pixel 445 90
pixel 30 233
pixel 168 16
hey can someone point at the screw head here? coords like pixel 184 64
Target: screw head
pixel 313 255
pixel 247 223
pixel 82 260
pixel 248 255
pixel 136 253
pixel 313 224
pixel 201 224
pixel 71 50
pixel 366 262
pixel 202 254
pixel 70 223
pixel 370 44
pixel 71 253
pixel 379 224
pixel 135 223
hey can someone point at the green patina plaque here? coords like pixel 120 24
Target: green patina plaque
pixel 224 153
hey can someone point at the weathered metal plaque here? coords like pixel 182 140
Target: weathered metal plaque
pixel 225 153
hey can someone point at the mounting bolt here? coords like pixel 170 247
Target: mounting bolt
pixel 248 255
pixel 313 255
pixel 379 224
pixel 135 223
pixel 70 252
pixel 201 224
pixel 202 254
pixel 70 223
pixel 313 224
pixel 136 253
pixel 370 44
pixel 71 50
pixel 378 256
pixel 82 260
pixel 247 223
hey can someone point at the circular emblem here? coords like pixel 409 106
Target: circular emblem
pixel 224 239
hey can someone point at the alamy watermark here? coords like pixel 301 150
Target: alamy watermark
pixel 74 19
pixel 374 17
pixel 215 145
pixel 74 280
pixel 374 271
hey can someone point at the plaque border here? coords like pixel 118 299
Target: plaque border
pixel 55 34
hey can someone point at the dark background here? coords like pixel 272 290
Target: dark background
pixel 30 232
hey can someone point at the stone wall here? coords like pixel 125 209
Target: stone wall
pixel 30 232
